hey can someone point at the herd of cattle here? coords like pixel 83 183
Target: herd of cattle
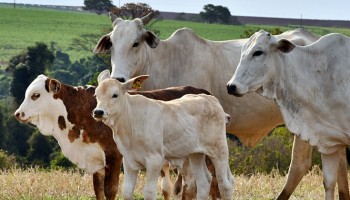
pixel 305 78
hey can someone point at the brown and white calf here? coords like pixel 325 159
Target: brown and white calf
pixel 148 132
pixel 64 112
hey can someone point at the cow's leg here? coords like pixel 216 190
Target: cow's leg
pixel 166 184
pixel 200 174
pixel 330 165
pixel 300 164
pixel 112 176
pixel 223 175
pixel 153 167
pixel 98 182
pixel 342 180
pixel 130 177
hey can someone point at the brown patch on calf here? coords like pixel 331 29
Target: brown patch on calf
pixel 73 134
pixel 61 123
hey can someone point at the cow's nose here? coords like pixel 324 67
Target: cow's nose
pixel 98 113
pixel 19 114
pixel 232 89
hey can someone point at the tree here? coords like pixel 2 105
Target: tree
pixel 26 67
pixel 98 6
pixel 212 14
pixel 132 10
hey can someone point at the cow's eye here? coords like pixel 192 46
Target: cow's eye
pixel 136 44
pixel 114 96
pixel 35 96
pixel 257 53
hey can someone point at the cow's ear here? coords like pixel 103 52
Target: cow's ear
pixel 54 86
pixel 103 45
pixel 151 39
pixel 134 83
pixel 103 75
pixel 285 46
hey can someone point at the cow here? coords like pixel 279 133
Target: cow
pixel 310 85
pixel 186 59
pixel 64 112
pixel 149 131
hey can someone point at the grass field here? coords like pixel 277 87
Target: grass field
pixel 37 184
pixel 24 26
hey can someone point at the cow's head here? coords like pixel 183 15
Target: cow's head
pixel 127 42
pixel 39 104
pixel 252 73
pixel 110 96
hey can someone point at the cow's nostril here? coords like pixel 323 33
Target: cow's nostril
pixel 98 113
pixel 17 114
pixel 231 88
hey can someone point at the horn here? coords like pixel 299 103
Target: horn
pixel 147 18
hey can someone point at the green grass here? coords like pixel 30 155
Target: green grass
pixel 24 26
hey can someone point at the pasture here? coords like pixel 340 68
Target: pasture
pixel 35 183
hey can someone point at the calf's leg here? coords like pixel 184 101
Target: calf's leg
pixel 98 182
pixel 112 170
pixel 201 175
pixel 153 167
pixel 223 176
pixel 130 177
pixel 166 184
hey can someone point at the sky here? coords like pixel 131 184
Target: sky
pixel 306 9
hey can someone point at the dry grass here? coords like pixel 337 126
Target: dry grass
pixel 40 184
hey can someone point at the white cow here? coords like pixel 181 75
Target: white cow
pixel 311 87
pixel 148 132
pixel 186 59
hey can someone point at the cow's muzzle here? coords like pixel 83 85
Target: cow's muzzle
pixel 19 116
pixel 232 90
pixel 98 114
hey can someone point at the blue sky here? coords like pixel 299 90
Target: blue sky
pixel 307 9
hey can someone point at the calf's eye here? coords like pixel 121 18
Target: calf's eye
pixel 114 96
pixel 257 53
pixel 35 96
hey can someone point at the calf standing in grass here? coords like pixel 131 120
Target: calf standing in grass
pixel 64 112
pixel 149 131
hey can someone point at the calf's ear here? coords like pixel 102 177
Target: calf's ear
pixel 285 46
pixel 103 75
pixel 54 86
pixel 104 44
pixel 134 83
